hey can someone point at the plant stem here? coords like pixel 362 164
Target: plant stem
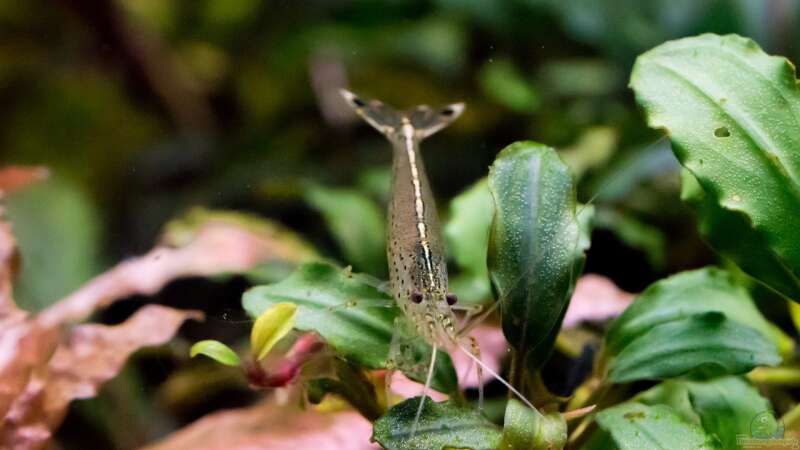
pixel 792 418
pixel 785 376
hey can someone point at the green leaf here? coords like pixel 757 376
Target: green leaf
pixel 270 327
pixel 707 345
pixel 733 235
pixel 528 429
pixel 683 295
pixel 217 351
pixel 725 406
pixel 58 231
pixel 441 425
pixel 732 113
pixel 634 426
pixel 535 245
pixel 351 314
pixel 357 224
pixel 467 234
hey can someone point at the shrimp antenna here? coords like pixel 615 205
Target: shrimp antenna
pixel 425 390
pixel 496 376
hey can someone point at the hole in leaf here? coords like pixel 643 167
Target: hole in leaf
pixel 722 132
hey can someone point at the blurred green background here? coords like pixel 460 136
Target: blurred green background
pixel 143 109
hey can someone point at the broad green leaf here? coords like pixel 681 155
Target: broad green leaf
pixel 336 304
pixel 528 429
pixel 535 246
pixel 59 232
pixel 351 314
pixel 707 345
pixel 725 406
pixel 683 295
pixel 441 426
pixel 357 224
pixel 733 235
pixel 635 426
pixel 467 234
pixel 217 351
pixel 733 115
pixel 270 327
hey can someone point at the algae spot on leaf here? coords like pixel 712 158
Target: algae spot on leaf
pixel 722 132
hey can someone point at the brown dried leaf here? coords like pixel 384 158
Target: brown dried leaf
pixel 269 426
pixel 217 244
pixel 90 356
pixel 40 376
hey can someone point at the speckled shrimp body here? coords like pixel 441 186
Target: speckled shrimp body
pixel 417 267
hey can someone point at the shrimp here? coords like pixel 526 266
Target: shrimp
pixel 415 250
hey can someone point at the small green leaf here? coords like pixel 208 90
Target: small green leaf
pixel 467 234
pixel 731 112
pixel 683 295
pixel 527 429
pixel 441 425
pixel 634 426
pixel 707 344
pixel 535 245
pixel 725 406
pixel 350 313
pixel 217 351
pixel 270 327
pixel 357 224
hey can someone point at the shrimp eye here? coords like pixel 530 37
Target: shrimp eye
pixel 451 299
pixel 416 297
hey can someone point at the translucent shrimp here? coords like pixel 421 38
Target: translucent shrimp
pixel 417 266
